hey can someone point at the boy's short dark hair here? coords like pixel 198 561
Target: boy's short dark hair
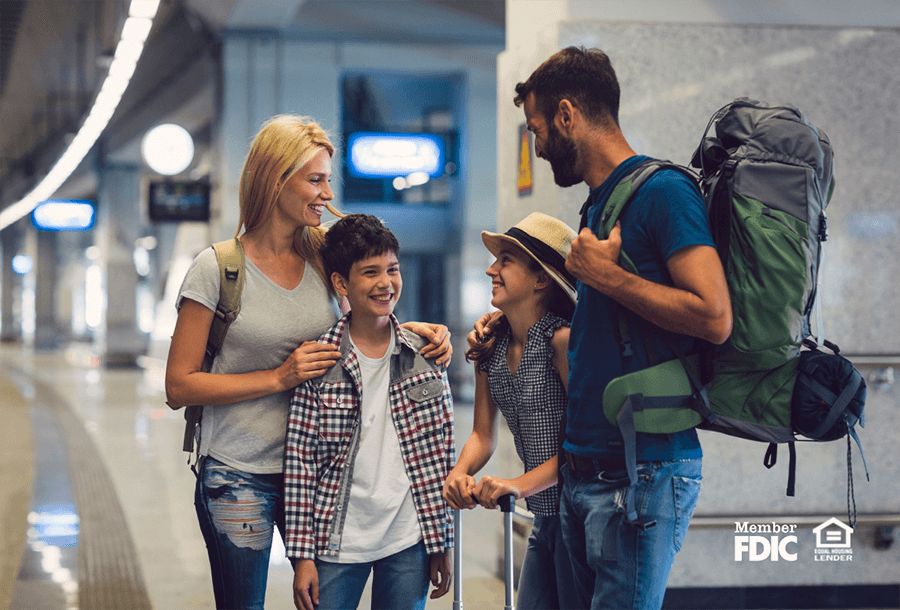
pixel 353 238
pixel 585 77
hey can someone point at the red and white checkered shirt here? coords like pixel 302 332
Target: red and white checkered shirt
pixel 323 440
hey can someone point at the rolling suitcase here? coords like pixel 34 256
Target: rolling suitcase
pixel 507 505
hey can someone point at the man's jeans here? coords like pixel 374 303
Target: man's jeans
pixel 546 581
pixel 400 581
pixel 238 512
pixel 636 578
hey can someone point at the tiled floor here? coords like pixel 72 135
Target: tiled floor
pixel 110 521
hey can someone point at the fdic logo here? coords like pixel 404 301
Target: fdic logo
pixel 773 546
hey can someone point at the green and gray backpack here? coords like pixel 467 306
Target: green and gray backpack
pixel 766 177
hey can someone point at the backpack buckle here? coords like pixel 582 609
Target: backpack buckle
pixel 231 274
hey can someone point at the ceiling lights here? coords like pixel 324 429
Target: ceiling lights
pixel 131 44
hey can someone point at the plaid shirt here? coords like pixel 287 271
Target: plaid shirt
pixel 323 440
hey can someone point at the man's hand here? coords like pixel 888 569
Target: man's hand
pixel 306 585
pixel 440 574
pixel 591 260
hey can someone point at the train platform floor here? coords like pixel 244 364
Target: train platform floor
pixel 96 498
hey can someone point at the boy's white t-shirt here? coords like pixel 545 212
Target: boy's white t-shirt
pixel 381 516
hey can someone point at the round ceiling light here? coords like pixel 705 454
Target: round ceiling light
pixel 168 149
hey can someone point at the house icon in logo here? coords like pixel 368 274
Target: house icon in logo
pixel 834 534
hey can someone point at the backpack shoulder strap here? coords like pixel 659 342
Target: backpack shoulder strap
pixel 624 193
pixel 230 256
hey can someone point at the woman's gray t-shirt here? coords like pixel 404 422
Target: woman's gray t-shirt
pixel 273 322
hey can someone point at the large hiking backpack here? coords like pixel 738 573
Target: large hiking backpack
pixel 230 258
pixel 766 177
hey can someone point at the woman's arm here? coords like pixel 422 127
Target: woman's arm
pixel 186 384
pixel 477 450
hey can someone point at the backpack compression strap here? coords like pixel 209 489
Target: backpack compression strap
pixel 230 258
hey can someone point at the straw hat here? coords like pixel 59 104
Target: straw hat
pixel 546 239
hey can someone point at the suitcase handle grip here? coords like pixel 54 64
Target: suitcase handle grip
pixel 507 503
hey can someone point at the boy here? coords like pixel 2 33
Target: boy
pixel 369 445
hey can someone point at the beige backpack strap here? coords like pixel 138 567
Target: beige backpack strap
pixel 230 256
pixel 232 268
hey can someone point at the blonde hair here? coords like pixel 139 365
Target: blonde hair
pixel 284 144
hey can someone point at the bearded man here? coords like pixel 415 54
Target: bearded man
pixel 571 104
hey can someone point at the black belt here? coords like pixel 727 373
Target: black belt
pixel 586 464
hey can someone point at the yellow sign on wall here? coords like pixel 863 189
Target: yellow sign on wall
pixel 526 177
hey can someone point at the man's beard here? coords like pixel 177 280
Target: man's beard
pixel 563 158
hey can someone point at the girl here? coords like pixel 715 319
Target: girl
pixel 521 369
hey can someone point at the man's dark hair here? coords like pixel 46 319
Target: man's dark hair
pixel 353 238
pixel 585 77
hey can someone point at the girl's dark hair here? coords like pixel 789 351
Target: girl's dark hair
pixel 557 301
pixel 354 238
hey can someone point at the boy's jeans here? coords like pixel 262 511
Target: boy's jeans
pixel 238 512
pixel 400 581
pixel 666 492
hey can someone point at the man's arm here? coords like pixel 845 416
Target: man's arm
pixel 697 305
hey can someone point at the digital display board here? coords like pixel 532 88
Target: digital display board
pixel 388 155
pixel 63 215
pixel 179 201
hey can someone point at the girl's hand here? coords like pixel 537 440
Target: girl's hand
pixel 308 361
pixel 306 585
pixel 440 574
pixel 438 335
pixel 489 489
pixel 458 490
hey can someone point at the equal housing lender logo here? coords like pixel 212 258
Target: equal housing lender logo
pixel 779 541
pixel 833 541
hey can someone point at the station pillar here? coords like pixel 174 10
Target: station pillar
pixel 120 222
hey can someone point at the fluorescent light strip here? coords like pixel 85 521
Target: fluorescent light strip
pixel 131 44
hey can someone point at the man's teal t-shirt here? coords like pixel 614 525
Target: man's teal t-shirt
pixel 666 215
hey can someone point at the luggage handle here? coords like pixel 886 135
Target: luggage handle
pixel 457 560
pixel 507 506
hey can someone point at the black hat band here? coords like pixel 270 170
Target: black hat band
pixel 542 252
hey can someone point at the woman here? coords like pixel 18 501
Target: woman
pixel 270 348
pixel 522 371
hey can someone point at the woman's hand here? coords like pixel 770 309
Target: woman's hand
pixel 458 490
pixel 308 361
pixel 306 585
pixel 440 574
pixel 438 336
pixel 489 490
